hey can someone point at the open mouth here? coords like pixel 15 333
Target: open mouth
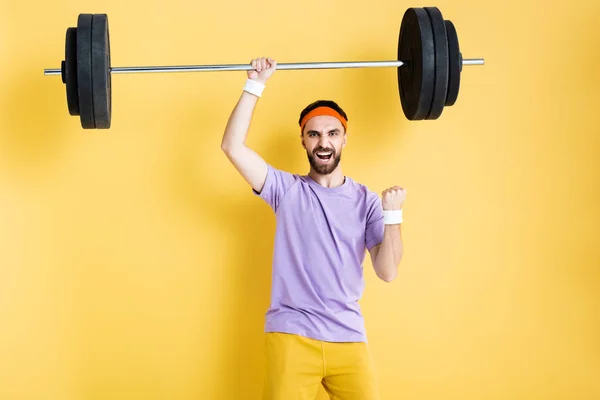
pixel 324 155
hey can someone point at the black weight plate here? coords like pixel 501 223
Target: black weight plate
pixel 70 71
pixel 455 64
pixel 440 41
pixel 101 71
pixel 84 71
pixel 416 51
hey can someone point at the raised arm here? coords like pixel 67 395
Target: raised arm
pixel 386 256
pixel 249 164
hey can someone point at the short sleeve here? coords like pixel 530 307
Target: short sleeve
pixel 276 186
pixel 374 227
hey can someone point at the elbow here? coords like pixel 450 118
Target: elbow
pixel 388 273
pixel 226 142
pixel 388 277
pixel 227 148
pixel 386 264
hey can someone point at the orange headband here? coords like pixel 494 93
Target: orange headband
pixel 323 110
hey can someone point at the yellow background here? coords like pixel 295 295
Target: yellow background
pixel 135 263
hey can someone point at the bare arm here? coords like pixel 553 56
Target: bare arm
pixel 249 164
pixel 387 255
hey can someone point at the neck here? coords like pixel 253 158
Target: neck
pixel 335 179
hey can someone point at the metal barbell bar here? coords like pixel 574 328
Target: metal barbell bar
pixel 247 67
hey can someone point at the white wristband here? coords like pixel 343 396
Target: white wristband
pixel 392 217
pixel 254 87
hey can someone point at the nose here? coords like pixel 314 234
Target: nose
pixel 323 141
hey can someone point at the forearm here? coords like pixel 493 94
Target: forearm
pixel 236 130
pixel 390 253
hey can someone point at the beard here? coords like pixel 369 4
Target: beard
pixel 324 167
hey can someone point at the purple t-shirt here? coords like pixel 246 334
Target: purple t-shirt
pixel 321 238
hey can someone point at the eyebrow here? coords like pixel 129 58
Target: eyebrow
pixel 330 131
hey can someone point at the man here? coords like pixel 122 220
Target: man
pixel 325 223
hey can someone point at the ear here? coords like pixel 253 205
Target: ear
pixel 345 140
pixel 302 141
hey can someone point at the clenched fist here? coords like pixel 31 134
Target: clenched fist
pixel 264 67
pixel 393 198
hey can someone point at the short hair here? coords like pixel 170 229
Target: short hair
pixel 322 103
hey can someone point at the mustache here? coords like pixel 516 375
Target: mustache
pixel 323 149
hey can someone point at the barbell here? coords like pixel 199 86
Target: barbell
pixel 429 67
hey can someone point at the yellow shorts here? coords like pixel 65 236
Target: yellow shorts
pixel 296 366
